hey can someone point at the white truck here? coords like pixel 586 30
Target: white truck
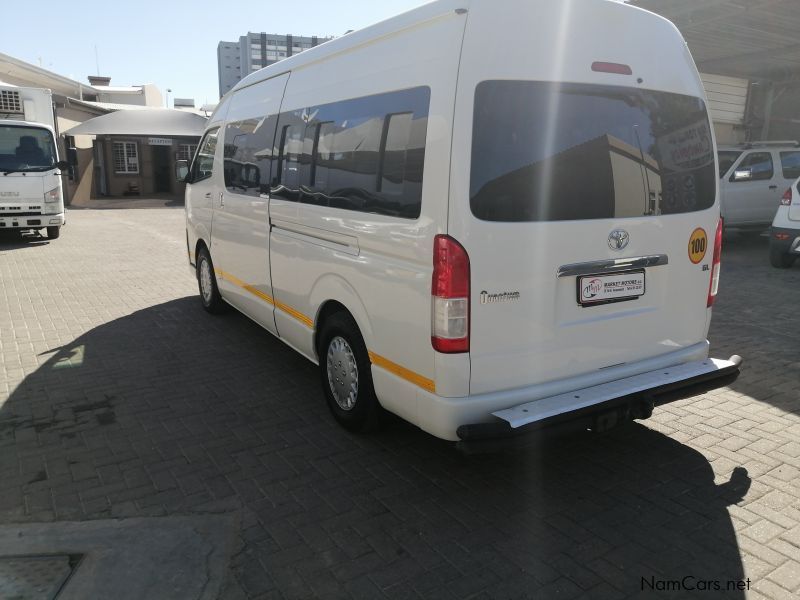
pixel 31 189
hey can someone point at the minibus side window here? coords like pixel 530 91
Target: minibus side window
pixel 287 176
pixel 203 164
pixel 290 159
pixel 364 154
pixel 393 155
pixel 248 151
pixel 323 153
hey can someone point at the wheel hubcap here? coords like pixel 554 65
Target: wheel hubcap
pixel 206 287
pixel 342 373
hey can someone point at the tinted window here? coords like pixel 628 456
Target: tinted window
pixel 364 154
pixel 790 163
pixel 203 164
pixel 550 152
pixel 286 182
pixel 758 163
pixel 248 152
pixel 726 160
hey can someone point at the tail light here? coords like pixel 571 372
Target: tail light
pixel 450 296
pixel 786 200
pixel 713 287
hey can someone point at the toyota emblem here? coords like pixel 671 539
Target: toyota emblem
pixel 618 239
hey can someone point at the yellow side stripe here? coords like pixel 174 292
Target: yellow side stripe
pixel 259 294
pixel 377 359
pixel 295 314
pixel 402 372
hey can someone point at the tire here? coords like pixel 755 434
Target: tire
pixel 344 363
pixel 53 232
pixel 207 284
pixel 779 259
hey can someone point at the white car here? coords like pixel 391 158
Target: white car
pixel 752 178
pixel 784 235
pixel 484 217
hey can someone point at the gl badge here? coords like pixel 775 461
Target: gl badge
pixel 618 239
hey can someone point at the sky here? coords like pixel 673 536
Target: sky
pixel 172 43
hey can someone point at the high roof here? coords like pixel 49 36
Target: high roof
pixel 369 34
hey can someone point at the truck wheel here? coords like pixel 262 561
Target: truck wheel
pixel 53 232
pixel 779 259
pixel 346 376
pixel 207 284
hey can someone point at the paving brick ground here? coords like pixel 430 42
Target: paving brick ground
pixel 120 397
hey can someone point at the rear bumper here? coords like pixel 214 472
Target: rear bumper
pixel 785 240
pixel 600 407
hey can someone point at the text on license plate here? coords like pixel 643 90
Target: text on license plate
pixel 595 289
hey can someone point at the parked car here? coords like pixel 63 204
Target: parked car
pixel 478 241
pixel 784 235
pixel 752 178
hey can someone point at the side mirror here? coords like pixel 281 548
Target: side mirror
pixel 72 156
pixel 182 171
pixel 63 165
pixel 743 175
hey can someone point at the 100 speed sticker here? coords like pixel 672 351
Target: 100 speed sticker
pixel 698 244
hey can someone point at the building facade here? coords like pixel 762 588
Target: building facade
pixel 254 51
pixel 134 157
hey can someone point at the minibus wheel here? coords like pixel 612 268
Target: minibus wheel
pixel 346 375
pixel 207 284
pixel 53 232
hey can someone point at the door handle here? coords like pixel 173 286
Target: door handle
pixel 221 200
pixel 208 195
pixel 773 187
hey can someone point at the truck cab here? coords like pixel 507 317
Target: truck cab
pixel 31 189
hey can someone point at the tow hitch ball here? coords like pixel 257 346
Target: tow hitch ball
pixel 642 409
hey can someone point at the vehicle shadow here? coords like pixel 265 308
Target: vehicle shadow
pixel 12 240
pixel 170 411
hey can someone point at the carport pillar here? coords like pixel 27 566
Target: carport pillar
pixel 768 102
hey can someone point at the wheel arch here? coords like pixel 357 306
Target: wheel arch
pixel 332 294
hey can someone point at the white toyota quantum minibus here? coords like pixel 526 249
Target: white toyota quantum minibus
pixel 486 217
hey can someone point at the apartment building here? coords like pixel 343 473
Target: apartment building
pixel 254 51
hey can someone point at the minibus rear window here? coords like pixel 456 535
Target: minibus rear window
pixel 558 151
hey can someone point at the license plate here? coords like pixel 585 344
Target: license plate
pixel 614 287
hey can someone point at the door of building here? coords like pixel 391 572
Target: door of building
pixel 162 169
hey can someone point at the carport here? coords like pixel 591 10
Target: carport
pixel 135 150
pixel 756 44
